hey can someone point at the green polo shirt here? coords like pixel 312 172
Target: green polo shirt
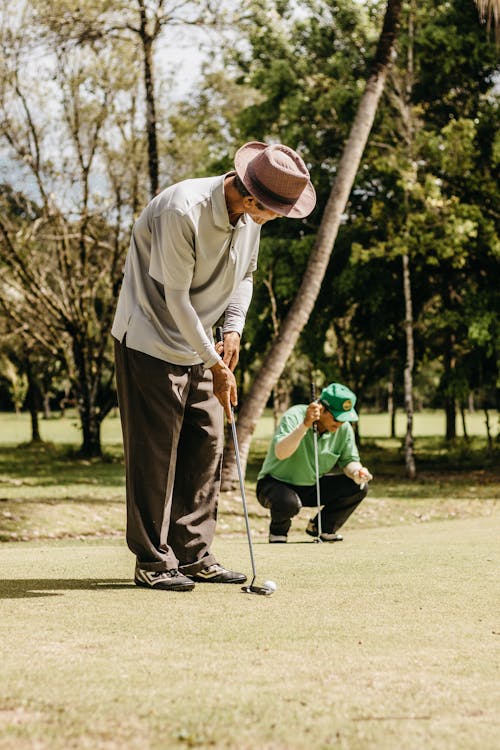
pixel 334 448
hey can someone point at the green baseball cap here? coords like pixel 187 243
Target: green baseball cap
pixel 340 401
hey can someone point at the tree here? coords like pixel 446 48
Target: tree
pixel 61 247
pixel 276 357
pixel 140 24
pixel 435 193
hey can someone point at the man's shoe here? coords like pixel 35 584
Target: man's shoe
pixel 277 538
pixel 326 536
pixel 167 580
pixel 217 574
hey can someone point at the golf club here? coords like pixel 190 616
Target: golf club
pixel 316 466
pixel 269 587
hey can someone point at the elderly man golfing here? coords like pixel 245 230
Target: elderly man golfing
pixel 192 255
pixel 297 469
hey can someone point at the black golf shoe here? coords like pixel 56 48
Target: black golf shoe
pixel 217 574
pixel 325 536
pixel 277 538
pixel 166 580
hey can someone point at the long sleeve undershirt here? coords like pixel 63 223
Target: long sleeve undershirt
pixel 189 325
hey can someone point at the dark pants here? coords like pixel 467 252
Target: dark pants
pixel 172 428
pixel 339 497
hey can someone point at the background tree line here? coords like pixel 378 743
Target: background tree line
pixel 407 304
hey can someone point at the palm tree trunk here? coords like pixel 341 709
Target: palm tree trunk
pixel 489 11
pixel 303 304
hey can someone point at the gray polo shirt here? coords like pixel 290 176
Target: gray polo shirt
pixel 186 266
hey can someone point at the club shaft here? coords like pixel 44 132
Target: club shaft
pixel 220 337
pixel 316 463
pixel 243 496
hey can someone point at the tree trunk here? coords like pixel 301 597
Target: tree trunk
pixel 303 304
pixel 46 405
pixel 411 470
pixel 470 402
pixel 85 388
pixel 281 400
pixel 464 423
pixel 147 46
pixel 91 428
pixel 32 399
pixel 488 431
pixel 390 404
pixel 450 406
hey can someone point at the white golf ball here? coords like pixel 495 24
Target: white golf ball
pixel 270 585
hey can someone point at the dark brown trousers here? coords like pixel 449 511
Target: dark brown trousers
pixel 172 428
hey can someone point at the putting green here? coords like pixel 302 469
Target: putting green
pixel 386 640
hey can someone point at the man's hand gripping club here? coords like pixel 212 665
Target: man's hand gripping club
pixel 223 379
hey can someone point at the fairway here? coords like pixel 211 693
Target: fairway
pixel 16 428
pixel 387 640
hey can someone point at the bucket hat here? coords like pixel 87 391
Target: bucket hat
pixel 340 402
pixel 277 177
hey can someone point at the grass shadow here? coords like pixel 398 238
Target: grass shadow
pixel 27 588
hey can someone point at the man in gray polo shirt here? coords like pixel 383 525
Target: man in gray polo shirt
pixel 192 255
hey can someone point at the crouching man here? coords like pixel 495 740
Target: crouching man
pixel 287 479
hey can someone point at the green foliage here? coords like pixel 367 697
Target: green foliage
pixel 428 185
pixel 456 60
pixel 309 72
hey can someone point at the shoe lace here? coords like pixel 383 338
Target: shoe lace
pixel 172 573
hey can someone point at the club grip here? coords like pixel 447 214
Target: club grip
pixel 313 398
pixel 218 334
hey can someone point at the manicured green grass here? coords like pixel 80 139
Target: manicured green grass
pixel 46 491
pixel 425 423
pixel 380 642
pixel 385 641
pixel 15 428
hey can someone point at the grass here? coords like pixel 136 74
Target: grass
pixel 15 428
pixel 384 641
pixel 46 492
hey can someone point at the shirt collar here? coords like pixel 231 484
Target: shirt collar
pixel 219 208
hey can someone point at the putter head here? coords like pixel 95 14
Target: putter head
pixel 317 540
pixel 262 590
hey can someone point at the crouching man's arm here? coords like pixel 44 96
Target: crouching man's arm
pixel 287 446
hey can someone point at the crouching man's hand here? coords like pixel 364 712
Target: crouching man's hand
pixel 362 476
pixel 357 472
pixel 313 413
